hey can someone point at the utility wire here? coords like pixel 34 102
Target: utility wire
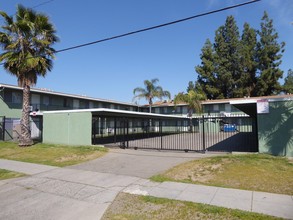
pixel 150 28
pixel 38 5
pixel 157 26
pixel 42 3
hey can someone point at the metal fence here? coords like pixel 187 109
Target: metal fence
pixel 6 128
pixel 207 133
pixel 10 128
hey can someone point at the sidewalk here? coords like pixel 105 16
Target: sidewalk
pixel 62 193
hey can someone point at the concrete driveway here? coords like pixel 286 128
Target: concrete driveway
pixel 138 163
pixel 52 193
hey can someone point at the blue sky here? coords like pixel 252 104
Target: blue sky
pixel 111 70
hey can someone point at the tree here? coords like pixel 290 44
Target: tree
pixel 206 80
pixel 248 64
pixel 269 54
pixel 288 82
pixel 26 40
pixel 227 59
pixel 232 67
pixel 190 86
pixel 150 92
pixel 193 100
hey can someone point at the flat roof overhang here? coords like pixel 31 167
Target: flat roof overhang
pixel 247 106
pixel 119 113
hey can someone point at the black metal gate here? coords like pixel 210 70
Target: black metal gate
pixel 6 128
pixel 206 133
pixel 2 128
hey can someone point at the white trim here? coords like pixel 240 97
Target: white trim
pixel 247 101
pixel 282 99
pixel 94 110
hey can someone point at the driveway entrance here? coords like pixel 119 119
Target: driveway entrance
pixel 138 163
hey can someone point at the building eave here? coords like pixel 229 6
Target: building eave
pixel 49 92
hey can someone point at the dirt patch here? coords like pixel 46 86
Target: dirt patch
pixel 132 207
pixel 256 172
pixel 75 157
pixel 197 171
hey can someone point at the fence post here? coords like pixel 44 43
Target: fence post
pixel 161 133
pixel 203 135
pixel 115 128
pixel 94 130
pixel 3 128
pixel 127 139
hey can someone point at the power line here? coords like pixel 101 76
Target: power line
pixel 157 26
pixel 38 5
pixel 42 3
pixel 150 28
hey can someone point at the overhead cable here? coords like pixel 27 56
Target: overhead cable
pixel 156 27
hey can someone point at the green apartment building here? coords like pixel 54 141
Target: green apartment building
pixel 268 118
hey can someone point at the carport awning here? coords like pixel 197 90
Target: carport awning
pixel 119 113
pixel 132 114
pixel 247 106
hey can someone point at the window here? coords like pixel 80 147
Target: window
pixel 46 100
pixel 75 103
pixel 216 108
pixel 16 97
pixel 165 110
pixel 227 108
pixel 184 110
pixel 8 96
pixel 65 102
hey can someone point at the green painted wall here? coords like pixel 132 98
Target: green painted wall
pixel 67 128
pixel 275 129
pixel 12 111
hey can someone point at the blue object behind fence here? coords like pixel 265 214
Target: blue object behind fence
pixel 229 127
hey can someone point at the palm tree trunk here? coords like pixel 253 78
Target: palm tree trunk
pixel 25 136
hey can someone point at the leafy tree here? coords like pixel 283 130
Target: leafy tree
pixel 288 82
pixel 234 67
pixel 150 92
pixel 227 59
pixel 248 64
pixel 269 54
pixel 26 40
pixel 191 86
pixel 206 80
pixel 193 100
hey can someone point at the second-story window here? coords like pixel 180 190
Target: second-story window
pixel 16 97
pixel 66 102
pixel 46 100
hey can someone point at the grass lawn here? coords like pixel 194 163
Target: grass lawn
pixel 6 174
pixel 55 155
pixel 256 172
pixel 132 207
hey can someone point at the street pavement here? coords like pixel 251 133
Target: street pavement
pixel 69 193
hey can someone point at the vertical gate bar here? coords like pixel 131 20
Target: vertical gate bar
pixel 161 132
pixel 203 134
pixel 3 127
pixel 127 136
pixel 123 136
pixel 102 127
pixel 94 130
pixel 115 127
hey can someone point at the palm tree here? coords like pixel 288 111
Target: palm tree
pixel 193 100
pixel 26 40
pixel 150 92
